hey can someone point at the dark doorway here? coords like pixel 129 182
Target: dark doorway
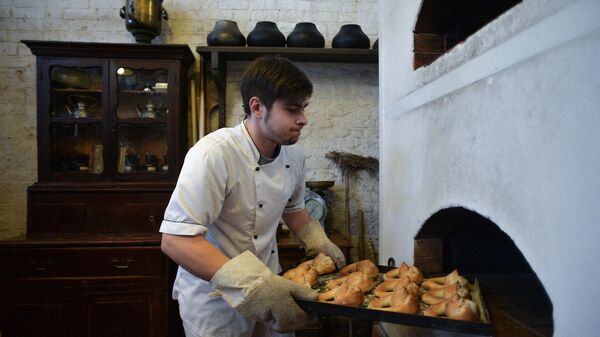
pixel 442 24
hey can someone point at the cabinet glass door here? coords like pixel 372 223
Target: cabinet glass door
pixel 75 119
pixel 142 114
pixel 76 148
pixel 142 148
pixel 76 92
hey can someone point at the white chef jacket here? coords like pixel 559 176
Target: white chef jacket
pixel 223 194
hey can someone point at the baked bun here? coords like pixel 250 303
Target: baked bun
pixel 398 301
pixel 357 279
pixel 392 285
pixel 366 266
pixel 413 273
pixel 439 309
pixel 303 275
pixel 434 296
pixel 439 282
pixel 462 309
pixel 345 294
pixel 323 264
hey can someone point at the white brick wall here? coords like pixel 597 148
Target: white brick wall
pixel 344 107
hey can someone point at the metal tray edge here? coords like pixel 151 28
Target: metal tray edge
pixel 479 328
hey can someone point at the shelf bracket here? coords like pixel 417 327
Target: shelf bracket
pixel 218 67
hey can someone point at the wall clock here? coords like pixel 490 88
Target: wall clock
pixel 315 206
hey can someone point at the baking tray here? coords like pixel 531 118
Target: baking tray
pixel 482 328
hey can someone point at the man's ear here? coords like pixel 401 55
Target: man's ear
pixel 255 107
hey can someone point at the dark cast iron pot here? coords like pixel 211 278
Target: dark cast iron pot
pixel 351 36
pixel 266 34
pixel 225 33
pixel 306 35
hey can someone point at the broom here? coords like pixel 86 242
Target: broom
pixel 351 164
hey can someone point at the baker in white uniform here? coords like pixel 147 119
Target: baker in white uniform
pixel 221 222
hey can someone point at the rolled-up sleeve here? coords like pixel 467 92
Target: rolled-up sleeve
pixel 198 196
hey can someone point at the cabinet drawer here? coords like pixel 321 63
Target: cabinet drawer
pixel 58 218
pixel 144 217
pixel 82 262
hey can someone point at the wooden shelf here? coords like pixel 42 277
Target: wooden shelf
pixel 294 54
pixel 217 58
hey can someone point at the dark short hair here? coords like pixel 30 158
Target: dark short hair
pixel 272 77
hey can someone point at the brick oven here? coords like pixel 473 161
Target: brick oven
pixel 489 157
pixel 458 238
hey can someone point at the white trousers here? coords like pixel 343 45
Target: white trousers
pixel 260 330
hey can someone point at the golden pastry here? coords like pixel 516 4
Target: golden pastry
pixel 303 274
pixel 395 284
pixel 345 294
pixel 439 282
pixel 398 301
pixel 366 266
pixel 411 272
pixel 357 279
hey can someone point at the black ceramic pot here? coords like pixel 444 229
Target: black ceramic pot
pixel 226 33
pixel 306 35
pixel 266 34
pixel 351 36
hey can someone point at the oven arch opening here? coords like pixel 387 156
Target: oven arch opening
pixel 459 238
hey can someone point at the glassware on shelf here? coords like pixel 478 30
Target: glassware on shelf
pixel 131 162
pixel 148 112
pixel 79 112
pixel 96 161
pixel 80 106
pixel 151 162
pixel 83 162
pixel 165 165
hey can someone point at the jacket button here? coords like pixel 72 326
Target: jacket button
pixel 273 251
pixel 256 236
pixel 289 200
pixel 260 205
pixel 287 166
pixel 257 168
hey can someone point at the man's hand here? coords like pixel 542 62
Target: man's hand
pixel 253 290
pixel 315 240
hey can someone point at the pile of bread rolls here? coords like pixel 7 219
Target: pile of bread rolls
pixel 402 289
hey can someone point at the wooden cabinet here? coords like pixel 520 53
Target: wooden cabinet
pixel 112 135
pixel 84 285
pixel 99 208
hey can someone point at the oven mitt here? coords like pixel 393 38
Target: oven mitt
pixel 315 240
pixel 253 290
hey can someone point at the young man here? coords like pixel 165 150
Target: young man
pixel 220 225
